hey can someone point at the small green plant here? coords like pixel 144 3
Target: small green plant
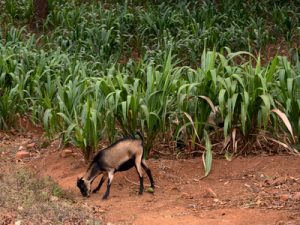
pixel 19 9
pixel 8 109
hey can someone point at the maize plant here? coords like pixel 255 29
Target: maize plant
pixel 99 70
pixel 8 108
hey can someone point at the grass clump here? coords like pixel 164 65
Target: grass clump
pixel 38 200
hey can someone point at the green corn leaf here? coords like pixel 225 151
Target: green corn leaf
pixel 207 155
pixel 124 112
pixel 65 117
pixel 272 69
pixel 233 101
pixel 290 84
pixel 239 79
pixel 258 66
pixel 267 102
pixel 243 117
pixel 227 124
pixel 221 98
pixel 47 118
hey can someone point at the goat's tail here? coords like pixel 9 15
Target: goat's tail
pixel 139 133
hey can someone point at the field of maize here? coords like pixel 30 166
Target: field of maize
pixel 181 72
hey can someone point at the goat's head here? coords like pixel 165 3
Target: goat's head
pixel 84 187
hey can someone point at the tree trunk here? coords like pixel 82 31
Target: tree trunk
pixel 41 10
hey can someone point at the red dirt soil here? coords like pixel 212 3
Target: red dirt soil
pixel 251 190
pixel 245 191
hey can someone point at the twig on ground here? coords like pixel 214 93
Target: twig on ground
pixel 156 186
pixel 162 153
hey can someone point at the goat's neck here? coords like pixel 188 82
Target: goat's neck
pixel 92 173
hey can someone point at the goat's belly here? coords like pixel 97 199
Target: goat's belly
pixel 126 165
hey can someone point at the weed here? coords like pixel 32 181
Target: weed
pixel 31 199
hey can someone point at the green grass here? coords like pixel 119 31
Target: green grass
pixel 112 31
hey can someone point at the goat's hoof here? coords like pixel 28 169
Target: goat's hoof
pixel 95 191
pixel 104 197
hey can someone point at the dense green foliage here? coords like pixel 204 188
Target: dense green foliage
pixel 99 69
pixel 111 31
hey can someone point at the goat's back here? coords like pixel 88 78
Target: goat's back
pixel 119 152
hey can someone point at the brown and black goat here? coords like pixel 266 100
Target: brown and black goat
pixel 120 156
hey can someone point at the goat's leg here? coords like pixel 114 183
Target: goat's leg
pixel 109 180
pixel 139 170
pixel 148 171
pixel 103 178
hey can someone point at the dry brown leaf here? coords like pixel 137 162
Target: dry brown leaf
pixel 192 122
pixel 234 144
pixel 281 143
pixel 286 121
pixel 226 142
pixel 211 104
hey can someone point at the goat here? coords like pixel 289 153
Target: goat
pixel 120 156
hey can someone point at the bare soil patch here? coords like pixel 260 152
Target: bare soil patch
pixel 248 190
